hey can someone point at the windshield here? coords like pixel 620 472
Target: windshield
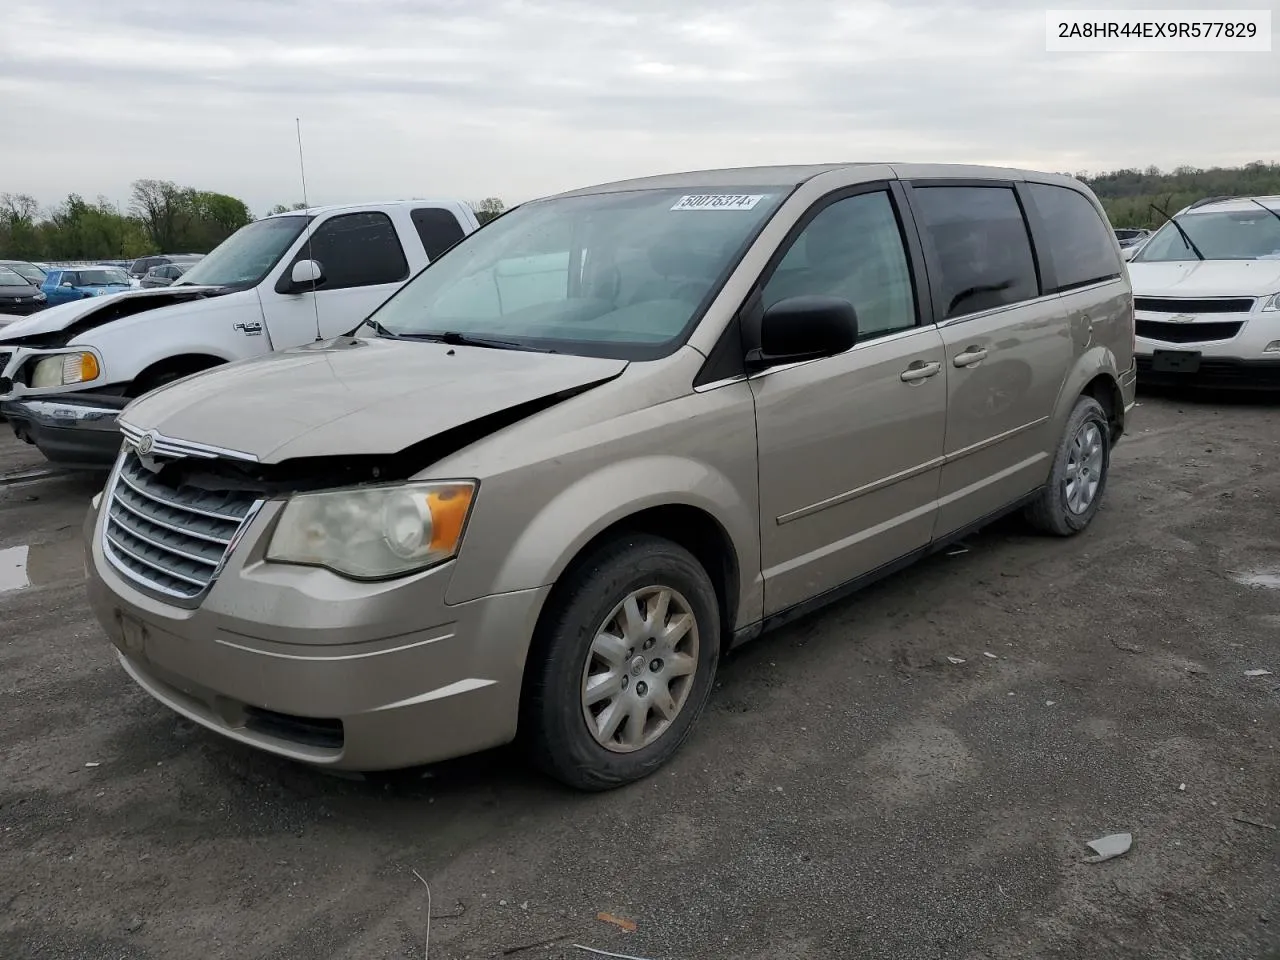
pixel 1236 235
pixel 10 278
pixel 102 277
pixel 248 255
pixel 28 270
pixel 1128 234
pixel 610 274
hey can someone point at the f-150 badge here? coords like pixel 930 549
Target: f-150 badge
pixel 252 328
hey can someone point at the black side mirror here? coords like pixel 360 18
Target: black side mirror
pixel 804 328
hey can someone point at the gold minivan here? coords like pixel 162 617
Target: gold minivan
pixel 539 492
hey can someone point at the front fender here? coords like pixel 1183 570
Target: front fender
pixel 539 553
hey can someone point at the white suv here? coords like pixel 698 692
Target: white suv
pixel 1206 292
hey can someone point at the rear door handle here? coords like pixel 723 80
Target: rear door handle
pixel 921 371
pixel 969 357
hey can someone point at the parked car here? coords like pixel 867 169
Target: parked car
pixel 278 282
pixel 18 296
pixel 1128 236
pixel 79 283
pixel 1207 293
pixel 139 268
pixel 164 274
pixel 28 271
pixel 545 485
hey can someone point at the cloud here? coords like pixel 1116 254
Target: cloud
pixel 519 98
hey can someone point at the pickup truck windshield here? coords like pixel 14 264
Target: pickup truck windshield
pixel 1236 235
pixel 609 274
pixel 248 255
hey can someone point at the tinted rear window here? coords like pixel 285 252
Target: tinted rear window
pixel 437 229
pixel 1077 242
pixel 981 244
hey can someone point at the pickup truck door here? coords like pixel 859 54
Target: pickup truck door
pixel 363 263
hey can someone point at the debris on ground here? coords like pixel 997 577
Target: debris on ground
pixel 991 656
pixel 1241 818
pixel 1126 647
pixel 1257 673
pixel 533 946
pixel 93 764
pixel 620 922
pixel 1108 847
pixel 606 953
pixel 955 660
pixel 1182 786
pixel 958 550
pixel 134 925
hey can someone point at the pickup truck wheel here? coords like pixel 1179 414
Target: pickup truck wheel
pixel 622 664
pixel 1073 494
pixel 150 380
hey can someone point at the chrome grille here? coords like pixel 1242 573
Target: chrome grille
pixel 170 538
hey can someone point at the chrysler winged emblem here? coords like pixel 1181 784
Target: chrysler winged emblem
pixel 146 442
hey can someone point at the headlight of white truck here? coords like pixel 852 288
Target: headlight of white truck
pixel 64 369
pixel 372 533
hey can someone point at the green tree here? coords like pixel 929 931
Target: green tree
pixel 488 208
pixel 281 208
pixel 165 209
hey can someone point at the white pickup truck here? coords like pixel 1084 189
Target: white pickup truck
pixel 279 282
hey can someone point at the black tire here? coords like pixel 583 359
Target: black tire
pixel 1051 511
pixel 553 727
pixel 154 381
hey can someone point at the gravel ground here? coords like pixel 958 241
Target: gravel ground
pixel 850 792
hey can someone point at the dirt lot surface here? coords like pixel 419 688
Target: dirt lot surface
pixel 850 792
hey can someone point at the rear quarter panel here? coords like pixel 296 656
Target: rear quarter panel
pixel 1103 331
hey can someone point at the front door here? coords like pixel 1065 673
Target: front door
pixel 850 446
pixel 1007 351
pixel 363 263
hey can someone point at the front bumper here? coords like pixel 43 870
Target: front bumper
pixel 1204 351
pixel 310 666
pixel 73 430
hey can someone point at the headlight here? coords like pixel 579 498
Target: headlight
pixel 39 298
pixel 373 533
pixel 64 369
pixel 1273 303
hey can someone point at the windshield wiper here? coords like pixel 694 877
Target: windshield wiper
pixel 1265 207
pixel 378 328
pixel 1177 226
pixel 456 339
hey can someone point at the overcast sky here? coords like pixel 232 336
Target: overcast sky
pixel 478 98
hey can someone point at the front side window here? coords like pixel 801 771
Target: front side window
pixel 1077 242
pixel 622 274
pixel 1252 234
pixel 245 257
pixel 981 246
pixel 356 250
pixel 853 250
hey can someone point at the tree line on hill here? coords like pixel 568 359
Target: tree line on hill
pixel 163 217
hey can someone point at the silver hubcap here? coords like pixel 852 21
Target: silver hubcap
pixel 1084 468
pixel 640 669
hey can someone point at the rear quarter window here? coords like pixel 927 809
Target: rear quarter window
pixel 1077 242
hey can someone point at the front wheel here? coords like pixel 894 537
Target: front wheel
pixel 623 664
pixel 1081 465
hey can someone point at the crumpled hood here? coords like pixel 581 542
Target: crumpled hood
pixel 1206 278
pixel 53 319
pixel 350 396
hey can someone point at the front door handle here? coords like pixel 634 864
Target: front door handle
pixel 921 371
pixel 969 357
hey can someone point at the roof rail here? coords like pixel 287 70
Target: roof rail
pixel 1208 200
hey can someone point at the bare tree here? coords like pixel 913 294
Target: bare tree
pixel 15 207
pixel 488 208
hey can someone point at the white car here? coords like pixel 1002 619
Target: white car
pixel 277 283
pixel 1206 290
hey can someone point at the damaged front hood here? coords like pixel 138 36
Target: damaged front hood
pixel 80 315
pixel 361 398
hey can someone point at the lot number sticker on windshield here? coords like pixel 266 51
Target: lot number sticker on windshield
pixel 716 201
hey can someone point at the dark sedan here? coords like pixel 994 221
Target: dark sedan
pixel 24 269
pixel 18 296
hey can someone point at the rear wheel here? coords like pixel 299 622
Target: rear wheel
pixel 1073 495
pixel 622 665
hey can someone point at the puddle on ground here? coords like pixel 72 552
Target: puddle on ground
pixel 1258 578
pixel 34 565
